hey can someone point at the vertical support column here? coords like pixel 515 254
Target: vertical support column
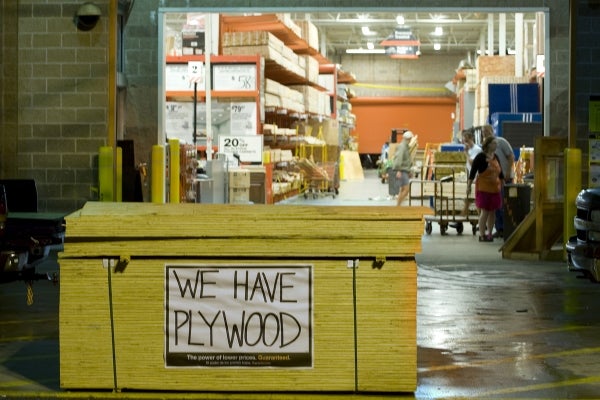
pixel 490 46
pixel 519 48
pixel 502 34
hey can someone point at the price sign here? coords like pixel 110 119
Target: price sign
pixel 243 118
pixel 234 76
pixel 248 148
pixel 196 71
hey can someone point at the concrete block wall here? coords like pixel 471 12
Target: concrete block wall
pixel 62 102
pixel 587 55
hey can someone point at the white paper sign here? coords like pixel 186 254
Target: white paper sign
pixel 176 77
pixel 243 118
pixel 234 76
pixel 196 72
pixel 239 316
pixel 248 148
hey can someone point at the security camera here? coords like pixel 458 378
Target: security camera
pixel 87 16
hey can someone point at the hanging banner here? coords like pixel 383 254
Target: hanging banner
pixel 239 316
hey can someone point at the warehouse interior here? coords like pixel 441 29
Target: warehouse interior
pixel 521 328
pixel 384 72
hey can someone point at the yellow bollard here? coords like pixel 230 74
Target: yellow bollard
pixel 105 173
pixel 119 175
pixel 158 174
pixel 342 175
pixel 572 189
pixel 174 171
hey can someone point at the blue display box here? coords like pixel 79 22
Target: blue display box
pixel 513 98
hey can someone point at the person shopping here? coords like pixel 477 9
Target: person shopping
pixel 506 156
pixel 488 197
pixel 471 148
pixel 402 165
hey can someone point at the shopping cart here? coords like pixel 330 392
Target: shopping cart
pixel 447 196
pixel 320 179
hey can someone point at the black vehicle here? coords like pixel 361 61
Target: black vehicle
pixel 583 249
pixel 26 236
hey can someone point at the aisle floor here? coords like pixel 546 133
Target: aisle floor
pixel 486 327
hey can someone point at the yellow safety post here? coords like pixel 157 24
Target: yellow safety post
pixel 174 171
pixel 119 175
pixel 342 174
pixel 105 173
pixel 572 189
pixel 158 174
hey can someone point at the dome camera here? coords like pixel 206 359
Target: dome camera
pixel 87 16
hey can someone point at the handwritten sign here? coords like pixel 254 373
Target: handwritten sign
pixel 239 316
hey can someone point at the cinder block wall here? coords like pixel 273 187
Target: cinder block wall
pixel 9 111
pixel 587 76
pixel 62 101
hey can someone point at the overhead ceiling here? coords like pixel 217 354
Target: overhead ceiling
pixel 462 31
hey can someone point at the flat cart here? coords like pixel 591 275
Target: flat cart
pixel 447 196
pixel 320 179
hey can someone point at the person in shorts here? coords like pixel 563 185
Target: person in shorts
pixel 402 166
pixel 488 196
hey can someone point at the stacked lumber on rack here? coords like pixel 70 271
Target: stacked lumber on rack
pixel 113 292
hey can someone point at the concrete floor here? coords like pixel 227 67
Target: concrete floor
pixel 486 327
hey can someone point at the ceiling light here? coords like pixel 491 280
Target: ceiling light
pixel 439 31
pixel 367 31
pixel 365 51
pixel 437 46
pixel 400 20
pixel 370 45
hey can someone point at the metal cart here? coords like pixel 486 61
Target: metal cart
pixel 447 196
pixel 320 179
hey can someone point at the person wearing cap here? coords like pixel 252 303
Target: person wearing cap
pixel 402 165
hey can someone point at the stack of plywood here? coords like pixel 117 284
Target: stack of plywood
pixel 449 163
pixel 328 295
pixel 265 44
pixel 281 96
pixel 315 101
pixel 489 66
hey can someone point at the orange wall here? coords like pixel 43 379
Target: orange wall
pixel 430 118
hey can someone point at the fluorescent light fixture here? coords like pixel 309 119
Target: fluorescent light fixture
pixel 370 45
pixel 400 20
pixel 437 46
pixel 367 31
pixel 365 51
pixel 439 31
